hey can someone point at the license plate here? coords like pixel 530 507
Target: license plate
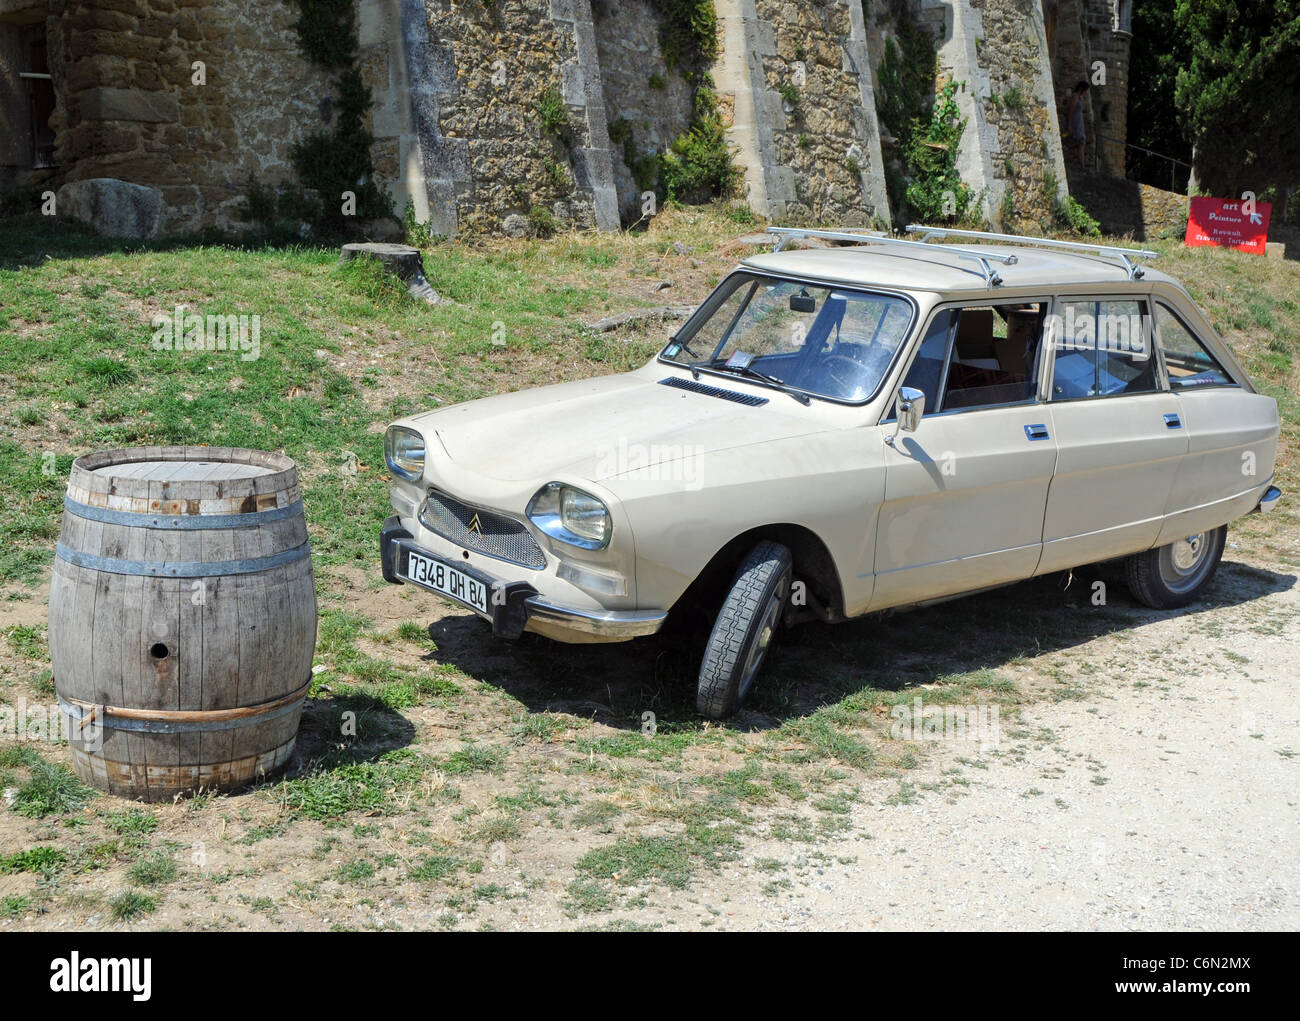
pixel 447 580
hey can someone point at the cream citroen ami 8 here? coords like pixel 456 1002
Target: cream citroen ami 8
pixel 841 430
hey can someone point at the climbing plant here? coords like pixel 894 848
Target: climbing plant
pixel 697 165
pixel 923 182
pixel 330 163
pixel 688 32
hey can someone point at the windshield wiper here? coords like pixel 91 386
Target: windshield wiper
pixel 753 373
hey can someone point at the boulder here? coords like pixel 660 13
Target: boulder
pixel 114 208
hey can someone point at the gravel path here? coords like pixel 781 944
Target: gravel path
pixel 1167 799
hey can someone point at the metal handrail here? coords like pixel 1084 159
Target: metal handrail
pixel 1127 255
pixel 985 259
pixel 1173 161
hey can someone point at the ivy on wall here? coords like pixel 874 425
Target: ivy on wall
pixel 923 182
pixel 329 163
pixel 697 165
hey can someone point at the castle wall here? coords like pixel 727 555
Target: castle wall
pixel 804 110
pixel 131 109
pixel 456 85
pixel 1011 146
pixel 654 104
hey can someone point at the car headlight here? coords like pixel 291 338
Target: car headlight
pixel 404 452
pixel 571 516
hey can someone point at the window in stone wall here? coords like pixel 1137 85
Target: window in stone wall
pixel 26 98
pixel 1121 15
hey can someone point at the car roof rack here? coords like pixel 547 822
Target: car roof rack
pixel 985 259
pixel 1126 255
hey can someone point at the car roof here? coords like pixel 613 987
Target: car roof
pixel 942 270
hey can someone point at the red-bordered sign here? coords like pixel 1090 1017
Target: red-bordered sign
pixel 1226 224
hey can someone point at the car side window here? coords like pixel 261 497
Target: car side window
pixel 1187 361
pixel 926 371
pixel 1103 349
pixel 994 355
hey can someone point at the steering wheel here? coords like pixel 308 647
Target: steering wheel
pixel 850 385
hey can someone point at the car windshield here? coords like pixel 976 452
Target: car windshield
pixel 826 341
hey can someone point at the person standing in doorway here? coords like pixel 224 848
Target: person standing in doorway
pixel 1074 119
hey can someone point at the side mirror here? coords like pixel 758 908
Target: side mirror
pixel 909 407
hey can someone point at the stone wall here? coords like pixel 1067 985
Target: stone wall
pixel 132 109
pixel 1027 172
pixel 821 118
pixel 797 81
pixel 456 85
pixel 647 106
pixel 1082 33
pixel 493 62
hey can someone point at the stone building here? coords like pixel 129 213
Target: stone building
pixel 195 99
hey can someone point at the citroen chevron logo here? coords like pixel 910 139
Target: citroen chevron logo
pixel 475 525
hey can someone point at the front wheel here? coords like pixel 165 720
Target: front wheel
pixel 1171 576
pixel 743 630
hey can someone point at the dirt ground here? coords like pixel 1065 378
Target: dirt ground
pixel 1161 794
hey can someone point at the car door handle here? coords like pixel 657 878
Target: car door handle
pixel 1173 421
pixel 1037 431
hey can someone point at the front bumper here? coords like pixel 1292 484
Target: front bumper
pixel 517 607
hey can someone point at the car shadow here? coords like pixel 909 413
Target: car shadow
pixel 818 664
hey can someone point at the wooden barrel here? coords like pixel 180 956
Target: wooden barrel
pixel 182 617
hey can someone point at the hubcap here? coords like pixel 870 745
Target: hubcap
pixel 758 651
pixel 1187 553
pixel 1185 562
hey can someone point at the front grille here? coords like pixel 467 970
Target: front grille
pixel 753 400
pixel 496 535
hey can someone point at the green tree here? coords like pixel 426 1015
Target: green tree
pixel 1239 93
pixel 1158 51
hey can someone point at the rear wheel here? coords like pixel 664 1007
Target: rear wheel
pixel 1173 575
pixel 742 633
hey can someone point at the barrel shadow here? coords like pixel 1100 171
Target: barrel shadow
pixel 348 729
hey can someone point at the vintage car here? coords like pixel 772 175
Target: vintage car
pixel 874 423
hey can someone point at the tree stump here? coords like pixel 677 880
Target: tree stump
pixel 402 261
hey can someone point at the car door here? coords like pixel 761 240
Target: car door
pixel 1231 433
pixel 965 493
pixel 1119 432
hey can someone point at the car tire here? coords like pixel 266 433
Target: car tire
pixel 1171 576
pixel 743 631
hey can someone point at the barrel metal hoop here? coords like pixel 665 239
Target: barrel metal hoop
pixel 137 519
pixel 170 721
pixel 180 568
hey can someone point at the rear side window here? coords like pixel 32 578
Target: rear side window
pixel 1186 359
pixel 1103 349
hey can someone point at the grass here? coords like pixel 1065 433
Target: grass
pixel 333 791
pixel 51 789
pixel 43 860
pixel 155 869
pixel 506 733
pixel 129 905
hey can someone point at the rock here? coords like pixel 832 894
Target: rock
pixel 383 228
pixel 1275 249
pixel 111 207
pixel 516 226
